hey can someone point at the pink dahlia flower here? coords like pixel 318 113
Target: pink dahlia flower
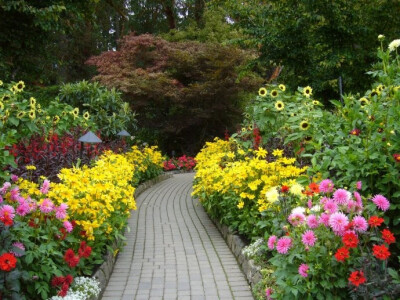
pixel 7 211
pixel 341 196
pixel 61 211
pixel 324 219
pixel 296 218
pixel 45 187
pixel 360 224
pixel 338 222
pixel 381 202
pixel 308 238
pixel 46 206
pixel 303 270
pixel 312 221
pixel 326 186
pixel 330 206
pixel 284 244
pixel 271 242
pixel 68 226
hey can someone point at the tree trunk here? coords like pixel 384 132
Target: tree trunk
pixel 198 11
pixel 169 6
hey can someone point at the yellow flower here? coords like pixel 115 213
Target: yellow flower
pixel 304 125
pixel 241 204
pixel 1 82
pixel 277 152
pixel 6 97
pixel 32 101
pixel 296 189
pixel 30 167
pixel 316 102
pixel 261 153
pixel 32 114
pixel 274 93
pixel 363 101
pixel 56 119
pixel 272 195
pixel 282 87
pixel 19 87
pixel 262 92
pixel 307 91
pixel 75 112
pixel 279 105
pixel 86 115
pixel 20 114
pixel 1 105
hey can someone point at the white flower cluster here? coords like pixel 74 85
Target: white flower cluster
pixel 252 249
pixel 83 288
pixel 394 45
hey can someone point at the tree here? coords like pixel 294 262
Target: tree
pixel 317 41
pixel 184 92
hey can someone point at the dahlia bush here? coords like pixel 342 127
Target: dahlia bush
pixel 333 244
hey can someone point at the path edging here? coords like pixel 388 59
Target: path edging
pixel 251 271
pixel 103 273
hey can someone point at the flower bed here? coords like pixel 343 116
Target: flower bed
pixel 53 232
pixel 184 163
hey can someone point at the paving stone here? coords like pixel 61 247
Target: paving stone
pixel 174 251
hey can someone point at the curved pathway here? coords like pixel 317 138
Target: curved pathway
pixel 174 251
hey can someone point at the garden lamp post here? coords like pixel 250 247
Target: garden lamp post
pixel 89 138
pixel 123 133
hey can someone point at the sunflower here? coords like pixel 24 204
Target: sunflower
pixel 282 87
pixel 56 119
pixel 307 91
pixel 374 93
pixel 1 105
pixel 279 105
pixel 316 102
pixel 32 114
pixel 20 114
pixel 262 92
pixel 363 101
pixel 6 97
pixel 308 138
pixel 304 125
pixel 32 102
pixel 274 93
pixel 75 112
pixel 86 115
pixel 380 88
pixel 19 87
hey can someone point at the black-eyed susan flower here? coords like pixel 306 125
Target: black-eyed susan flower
pixel 279 105
pixel 307 91
pixel 32 114
pixel 304 125
pixel 262 92
pixel 20 114
pixel 308 139
pixel 86 115
pixel 374 93
pixel 380 88
pixel 282 87
pixel 56 119
pixel 363 101
pixel 316 102
pixel 274 93
pixel 19 87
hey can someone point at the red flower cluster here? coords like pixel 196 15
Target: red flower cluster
pixel 357 277
pixel 184 162
pixel 257 138
pixel 7 262
pixel 64 282
pixel 284 189
pixel 6 220
pixel 381 252
pixel 396 157
pixel 71 259
pixel 375 221
pixel 84 250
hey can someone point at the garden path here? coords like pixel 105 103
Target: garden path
pixel 174 251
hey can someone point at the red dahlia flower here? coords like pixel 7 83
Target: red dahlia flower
pixel 284 189
pixel 381 252
pixel 350 240
pixel 355 131
pixel 357 277
pixel 388 236
pixel 375 221
pixel 396 157
pixel 7 262
pixel 342 253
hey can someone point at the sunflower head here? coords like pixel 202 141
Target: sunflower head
pixel 380 88
pixel 274 93
pixel 6 97
pixel 56 119
pixel 262 92
pixel 308 138
pixel 86 115
pixel 316 102
pixel 75 112
pixel 304 125
pixel 307 91
pixel 363 101
pixel 20 114
pixel 32 114
pixel 282 87
pixel 374 93
pixel 19 87
pixel 279 105
pixel 32 102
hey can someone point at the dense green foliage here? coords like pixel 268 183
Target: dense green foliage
pixel 106 108
pixel 184 93
pixel 317 41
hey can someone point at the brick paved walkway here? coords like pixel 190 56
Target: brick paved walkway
pixel 174 251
